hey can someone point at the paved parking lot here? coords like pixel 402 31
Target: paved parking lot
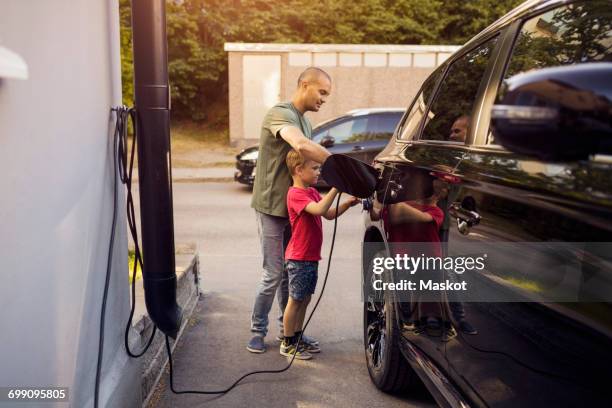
pixel 212 353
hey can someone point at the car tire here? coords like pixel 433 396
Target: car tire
pixel 388 369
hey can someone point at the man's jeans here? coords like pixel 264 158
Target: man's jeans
pixel 274 234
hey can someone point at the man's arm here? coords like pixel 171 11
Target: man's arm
pixel 402 213
pixel 301 144
pixel 322 206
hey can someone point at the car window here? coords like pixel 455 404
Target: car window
pixel 410 127
pixel 577 33
pixel 320 131
pixel 343 132
pixel 449 115
pixel 380 126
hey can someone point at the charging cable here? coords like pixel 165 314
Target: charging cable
pixel 122 171
pixel 314 309
pixel 125 169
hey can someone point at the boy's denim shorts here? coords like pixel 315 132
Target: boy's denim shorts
pixel 302 278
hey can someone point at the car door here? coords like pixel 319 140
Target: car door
pixel 428 149
pixel 546 228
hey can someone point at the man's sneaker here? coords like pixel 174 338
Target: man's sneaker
pixel 311 348
pixel 256 344
pixel 310 340
pixel 288 350
pixel 305 339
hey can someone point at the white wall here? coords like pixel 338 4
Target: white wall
pixel 56 202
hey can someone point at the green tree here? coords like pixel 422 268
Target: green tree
pixel 198 29
pixel 462 20
pixel 127 59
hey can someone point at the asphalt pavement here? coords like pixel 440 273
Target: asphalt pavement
pixel 212 354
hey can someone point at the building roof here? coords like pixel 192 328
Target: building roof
pixel 348 48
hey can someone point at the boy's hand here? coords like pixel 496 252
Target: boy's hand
pixel 353 201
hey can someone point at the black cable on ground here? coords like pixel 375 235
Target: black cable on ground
pixel 225 391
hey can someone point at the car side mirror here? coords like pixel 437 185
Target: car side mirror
pixel 557 114
pixel 328 141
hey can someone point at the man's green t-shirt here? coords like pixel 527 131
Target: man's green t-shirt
pixel 272 179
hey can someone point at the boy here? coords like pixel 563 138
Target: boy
pixel 305 206
pixel 414 226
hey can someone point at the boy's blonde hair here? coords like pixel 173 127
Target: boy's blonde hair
pixel 293 160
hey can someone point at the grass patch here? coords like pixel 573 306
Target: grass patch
pixel 187 135
pixel 199 145
pixel 131 260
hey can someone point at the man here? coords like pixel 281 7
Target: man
pixel 284 127
pixel 458 131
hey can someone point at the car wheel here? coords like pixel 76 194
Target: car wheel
pixel 388 369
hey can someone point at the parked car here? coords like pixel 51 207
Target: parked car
pixel 360 133
pixel 517 123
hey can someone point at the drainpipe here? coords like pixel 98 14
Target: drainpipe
pixel 152 102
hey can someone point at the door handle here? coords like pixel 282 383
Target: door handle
pixel 358 148
pixel 466 219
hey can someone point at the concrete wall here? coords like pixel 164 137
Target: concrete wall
pixel 56 208
pixel 364 76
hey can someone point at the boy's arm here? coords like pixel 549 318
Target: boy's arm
pixel 322 206
pixel 331 213
pixel 400 213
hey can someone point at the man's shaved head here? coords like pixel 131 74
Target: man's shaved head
pixel 312 74
pixel 314 86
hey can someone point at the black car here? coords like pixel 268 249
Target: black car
pixel 517 128
pixel 360 133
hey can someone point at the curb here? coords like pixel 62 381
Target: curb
pixel 155 360
pixel 203 180
pixel 197 179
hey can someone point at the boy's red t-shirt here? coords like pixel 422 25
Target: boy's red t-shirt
pixel 420 231
pixel 306 229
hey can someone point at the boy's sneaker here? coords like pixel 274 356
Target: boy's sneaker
pixel 256 344
pixel 288 350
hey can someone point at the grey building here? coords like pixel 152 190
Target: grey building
pixel 364 76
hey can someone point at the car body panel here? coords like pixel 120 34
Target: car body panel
pixel 530 353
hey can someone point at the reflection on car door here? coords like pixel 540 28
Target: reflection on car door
pixel 523 348
pixel 538 353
